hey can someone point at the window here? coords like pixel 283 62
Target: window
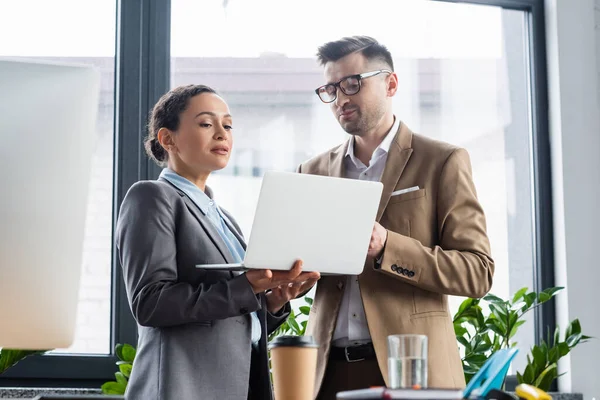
pixel 463 72
pixel 50 34
pixel 467 77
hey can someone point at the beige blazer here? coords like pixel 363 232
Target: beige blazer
pixel 437 246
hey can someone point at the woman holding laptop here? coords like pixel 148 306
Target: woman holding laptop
pixel 202 333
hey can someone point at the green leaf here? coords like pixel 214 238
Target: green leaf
pixel 499 310
pixel 459 330
pixel 553 290
pixel 573 340
pixel 113 388
pixel 563 349
pixel 462 340
pixel 529 300
pixel 519 378
pixel 515 327
pixel 121 378
pixel 294 325
pixel 126 369
pixel 553 355
pixel 482 347
pixel 464 306
pixel 308 300
pixel 556 336
pixel 543 297
pixel 544 380
pixel 529 373
pixel 128 353
pixel 9 357
pixel 573 328
pixel 477 359
pixel 119 351
pixel 519 294
pixel 539 357
pixel 480 318
pixel 512 318
pixel 493 299
pixel 305 310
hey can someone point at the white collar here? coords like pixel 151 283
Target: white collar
pixel 384 145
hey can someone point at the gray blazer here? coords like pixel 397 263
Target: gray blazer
pixel 194 325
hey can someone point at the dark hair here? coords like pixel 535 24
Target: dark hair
pixel 369 47
pixel 165 114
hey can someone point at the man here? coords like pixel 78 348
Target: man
pixel 429 240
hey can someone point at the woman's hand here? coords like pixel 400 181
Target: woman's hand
pixel 280 281
pixel 281 294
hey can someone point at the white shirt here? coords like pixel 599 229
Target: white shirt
pixel 351 327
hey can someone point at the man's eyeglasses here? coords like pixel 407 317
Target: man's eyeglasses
pixel 349 85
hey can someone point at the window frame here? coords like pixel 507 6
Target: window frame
pixel 142 75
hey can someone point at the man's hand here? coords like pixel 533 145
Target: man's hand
pixel 378 239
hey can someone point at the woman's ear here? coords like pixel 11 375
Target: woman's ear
pixel 165 138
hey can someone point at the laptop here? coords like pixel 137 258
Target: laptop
pixel 324 221
pixel 48 128
pixel 401 394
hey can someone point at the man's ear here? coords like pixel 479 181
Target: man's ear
pixel 392 84
pixel 165 138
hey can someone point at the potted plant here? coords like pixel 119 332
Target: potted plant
pixel 481 335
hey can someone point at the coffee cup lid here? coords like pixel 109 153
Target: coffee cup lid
pixel 293 341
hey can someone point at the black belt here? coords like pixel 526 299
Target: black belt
pixel 353 353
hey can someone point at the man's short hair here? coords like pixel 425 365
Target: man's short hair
pixel 370 48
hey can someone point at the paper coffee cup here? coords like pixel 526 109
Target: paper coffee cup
pixel 293 364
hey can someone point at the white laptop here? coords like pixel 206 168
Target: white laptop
pixel 324 221
pixel 47 129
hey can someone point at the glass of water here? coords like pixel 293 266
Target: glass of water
pixel 407 361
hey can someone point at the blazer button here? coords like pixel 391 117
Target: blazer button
pixel 394 267
pixel 401 270
pixel 411 273
pixel 244 310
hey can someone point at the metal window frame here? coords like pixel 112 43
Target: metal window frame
pixel 142 66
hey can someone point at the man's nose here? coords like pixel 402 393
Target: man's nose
pixel 341 98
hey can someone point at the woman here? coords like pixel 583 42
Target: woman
pixel 202 333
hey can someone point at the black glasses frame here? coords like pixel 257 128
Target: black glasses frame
pixel 337 85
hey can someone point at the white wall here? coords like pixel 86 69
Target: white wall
pixel 573 51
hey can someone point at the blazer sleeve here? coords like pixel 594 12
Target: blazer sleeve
pixel 274 321
pixel 147 249
pixel 461 264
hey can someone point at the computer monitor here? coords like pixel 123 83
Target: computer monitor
pixel 47 133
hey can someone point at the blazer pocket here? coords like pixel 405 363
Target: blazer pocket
pixel 203 323
pixel 407 196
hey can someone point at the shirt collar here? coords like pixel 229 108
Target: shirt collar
pixel 201 199
pixel 383 146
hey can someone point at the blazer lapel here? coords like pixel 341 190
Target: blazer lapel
pixel 398 156
pixel 336 160
pixel 208 226
pixel 233 229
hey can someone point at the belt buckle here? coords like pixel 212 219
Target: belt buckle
pixel 348 356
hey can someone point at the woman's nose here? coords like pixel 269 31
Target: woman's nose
pixel 220 133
